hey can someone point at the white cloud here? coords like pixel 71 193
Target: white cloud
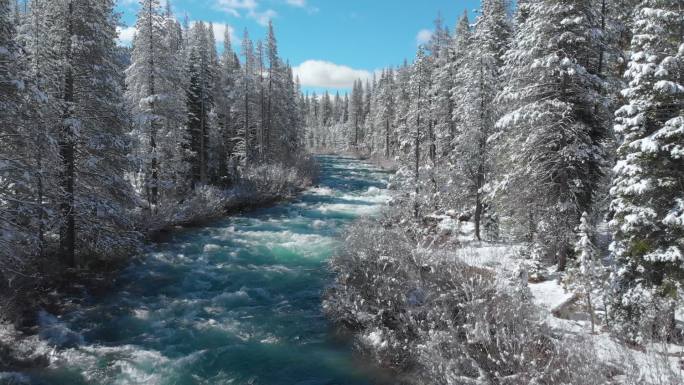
pixel 249 7
pixel 297 3
pixel 263 17
pixel 303 5
pixel 424 35
pixel 126 35
pixel 234 7
pixel 324 74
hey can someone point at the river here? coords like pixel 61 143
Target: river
pixel 234 302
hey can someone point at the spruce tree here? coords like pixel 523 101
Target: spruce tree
pixel 647 194
pixel 553 137
pixel 156 100
pixel 478 84
pixel 22 197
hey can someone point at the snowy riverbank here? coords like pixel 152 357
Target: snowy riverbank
pixel 454 310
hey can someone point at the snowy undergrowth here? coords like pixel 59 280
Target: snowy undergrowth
pixel 259 185
pixel 438 320
pixel 563 312
pixel 468 315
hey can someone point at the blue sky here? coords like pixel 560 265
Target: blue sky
pixel 329 42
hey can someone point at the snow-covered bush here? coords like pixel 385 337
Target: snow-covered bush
pixel 257 184
pixel 280 179
pixel 204 203
pixel 445 322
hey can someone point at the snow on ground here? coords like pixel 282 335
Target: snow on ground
pixel 549 295
pixel 654 364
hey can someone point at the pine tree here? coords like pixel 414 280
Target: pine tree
pixel 245 110
pixel 586 273
pixel 442 87
pixel 553 138
pixel 43 114
pixel 648 199
pixel 22 196
pixel 356 113
pixel 384 111
pixel 478 84
pixel 155 95
pixel 103 195
pixel 80 67
pixel 224 149
pixel 403 101
pixel 172 140
pixel 201 73
pixel 274 85
pixel 418 118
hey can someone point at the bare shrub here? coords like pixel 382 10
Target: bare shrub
pixel 442 321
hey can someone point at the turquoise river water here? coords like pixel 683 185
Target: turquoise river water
pixel 235 302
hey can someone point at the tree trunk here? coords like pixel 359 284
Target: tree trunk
pixel 482 156
pixel 269 109
pixel 387 138
pixel 67 232
pixel 564 192
pixel 154 188
pixel 590 309
pixel 478 202
pixel 203 142
pixel 417 164
pixel 246 133
pixel 417 167
pixel 604 14
pixel 433 160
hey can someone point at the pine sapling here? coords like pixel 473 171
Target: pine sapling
pixel 585 275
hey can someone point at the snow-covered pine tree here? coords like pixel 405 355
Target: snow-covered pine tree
pixel 585 276
pixel 418 119
pixel 384 112
pixel 446 92
pixel 367 107
pixel 326 110
pixel 292 129
pixel 356 113
pixel 261 85
pixel 274 90
pixel 478 84
pixel 647 193
pixel 103 197
pixel 246 117
pixel 24 148
pixel 312 128
pixel 442 86
pixel 43 132
pixel 553 139
pixel 172 140
pixel 82 70
pixel 201 72
pixel 402 99
pixel 155 96
pixel 226 100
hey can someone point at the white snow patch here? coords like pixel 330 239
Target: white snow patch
pixel 549 294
